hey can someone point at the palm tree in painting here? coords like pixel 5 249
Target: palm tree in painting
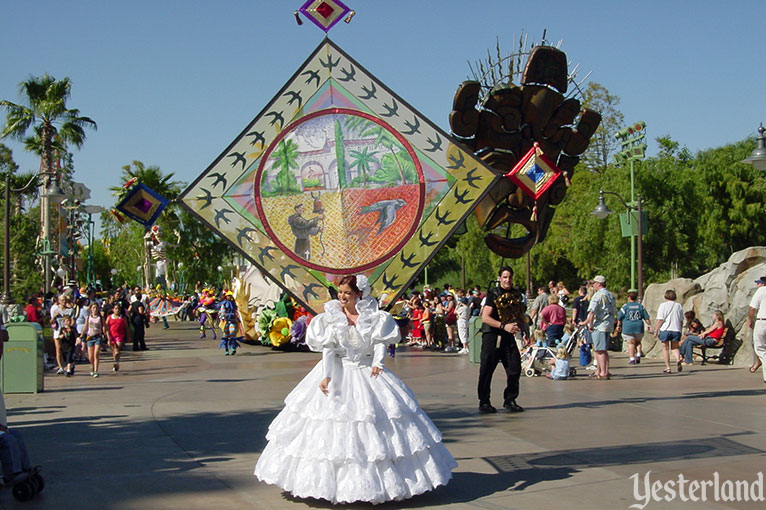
pixel 383 137
pixel 286 159
pixel 362 159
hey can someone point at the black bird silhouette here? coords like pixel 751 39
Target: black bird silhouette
pixel 265 253
pixel 220 214
pixel 348 75
pixel 218 178
pixel 470 178
pixel 435 145
pixel 460 197
pixel 309 289
pixel 312 75
pixel 239 157
pixel 407 262
pixel 207 198
pixel 443 219
pixel 414 128
pixel 294 96
pixel 287 270
pixel 426 241
pixel 456 162
pixel 257 137
pixel 244 233
pixel 392 111
pixel 277 117
pixel 391 284
pixel 329 64
pixel 370 92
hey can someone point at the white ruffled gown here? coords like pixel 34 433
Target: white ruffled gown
pixel 368 440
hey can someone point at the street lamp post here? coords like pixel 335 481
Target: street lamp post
pixel 113 271
pixel 220 276
pixel 602 211
pixel 181 282
pixel 632 148
pixel 90 271
pixel 757 158
pixel 7 298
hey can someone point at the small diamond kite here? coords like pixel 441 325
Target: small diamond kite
pixel 324 13
pixel 534 173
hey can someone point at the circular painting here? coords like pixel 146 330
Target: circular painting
pixel 339 190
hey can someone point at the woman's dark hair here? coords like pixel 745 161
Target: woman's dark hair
pixel 350 280
pixel 689 315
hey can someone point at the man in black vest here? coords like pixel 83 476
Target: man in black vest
pixel 503 316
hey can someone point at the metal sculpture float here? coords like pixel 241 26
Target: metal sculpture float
pixel 338 174
pixel 530 133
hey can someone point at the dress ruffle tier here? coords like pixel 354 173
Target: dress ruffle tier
pixel 368 441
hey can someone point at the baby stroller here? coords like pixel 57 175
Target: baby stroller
pixel 534 360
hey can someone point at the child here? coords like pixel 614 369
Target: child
pixel 539 337
pixel 560 365
pixel 568 332
pixel 585 351
pixel 68 343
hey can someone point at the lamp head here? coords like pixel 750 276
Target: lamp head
pixel 601 211
pixel 757 158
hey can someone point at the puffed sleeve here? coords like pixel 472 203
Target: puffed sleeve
pixel 319 334
pixel 386 330
pixel 321 331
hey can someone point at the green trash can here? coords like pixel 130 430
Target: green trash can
pixel 22 363
pixel 474 339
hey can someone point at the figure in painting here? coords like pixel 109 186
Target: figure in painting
pixel 303 229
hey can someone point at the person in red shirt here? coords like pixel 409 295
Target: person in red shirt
pixel 118 332
pixel 553 317
pixel 32 311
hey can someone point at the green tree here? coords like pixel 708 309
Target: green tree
pixel 47 114
pixel 286 159
pixel 603 144
pixel 340 156
pixel 362 159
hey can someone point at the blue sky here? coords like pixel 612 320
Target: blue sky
pixel 171 83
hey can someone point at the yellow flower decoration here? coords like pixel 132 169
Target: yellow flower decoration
pixel 280 331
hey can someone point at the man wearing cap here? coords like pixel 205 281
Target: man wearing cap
pixel 601 314
pixel 756 319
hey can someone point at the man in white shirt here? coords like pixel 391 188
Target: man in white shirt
pixel 756 320
pixel 602 312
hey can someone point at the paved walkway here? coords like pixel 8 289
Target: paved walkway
pixel 181 426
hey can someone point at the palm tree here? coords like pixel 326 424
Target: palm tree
pixel 362 160
pixel 46 111
pixel 286 159
pixel 383 138
pixel 152 177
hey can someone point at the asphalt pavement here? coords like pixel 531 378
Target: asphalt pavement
pixel 182 425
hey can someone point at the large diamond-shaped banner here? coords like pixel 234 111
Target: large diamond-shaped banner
pixel 338 175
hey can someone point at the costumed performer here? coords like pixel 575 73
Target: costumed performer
pixel 351 430
pixel 206 308
pixel 230 316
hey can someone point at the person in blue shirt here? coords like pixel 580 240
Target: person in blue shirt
pixel 630 322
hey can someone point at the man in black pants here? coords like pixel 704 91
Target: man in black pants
pixel 140 321
pixel 502 316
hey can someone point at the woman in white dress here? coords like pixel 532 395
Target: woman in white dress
pixel 351 430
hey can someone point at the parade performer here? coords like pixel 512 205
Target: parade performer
pixel 351 430
pixel 158 251
pixel 205 309
pixel 230 316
